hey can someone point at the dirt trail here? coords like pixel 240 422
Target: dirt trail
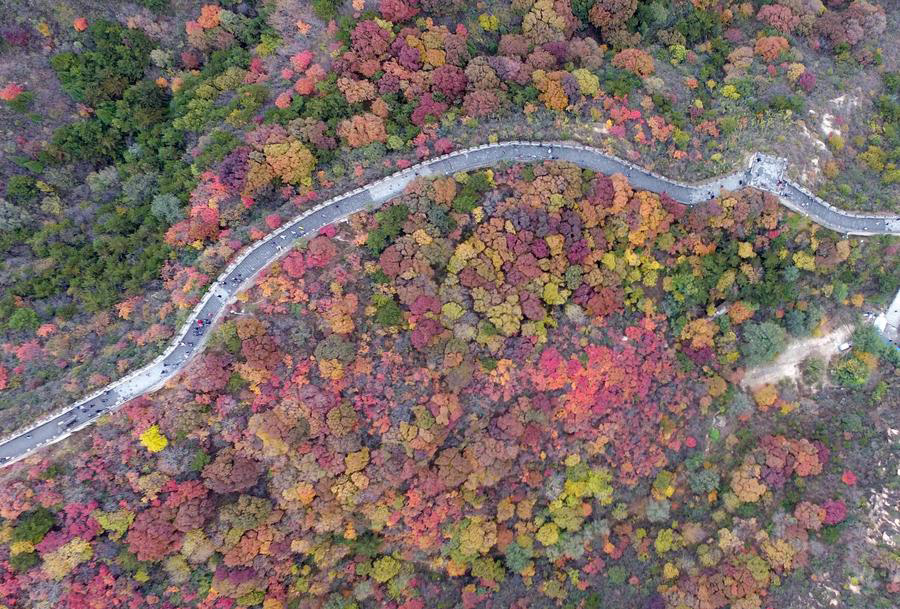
pixel 787 365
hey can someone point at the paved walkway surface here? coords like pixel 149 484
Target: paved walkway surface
pixel 763 172
pixel 892 321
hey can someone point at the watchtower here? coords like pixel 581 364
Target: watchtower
pixel 766 172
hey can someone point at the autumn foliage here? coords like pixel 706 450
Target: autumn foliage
pixel 517 386
pixel 634 60
pixel 495 334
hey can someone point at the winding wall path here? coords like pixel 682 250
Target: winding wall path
pixel 763 172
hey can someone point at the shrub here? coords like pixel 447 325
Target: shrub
pixel 387 312
pixel 762 342
pixel 33 525
pixel 88 139
pixel 781 103
pixel 22 102
pixel 851 372
pixel 517 557
pixel 699 26
pixel 836 142
pixel 157 6
pixel 617 575
pixel 650 17
pixel 704 481
pixel 770 47
pixel 326 9
pixel 21 188
pixel 153 440
pixel 657 510
pixel 795 321
pixel 115 58
pixel 24 320
pixel 23 561
pixel 385 568
pixel 335 347
pixel 580 9
pixel 390 222
pixel 548 534
pixel 636 61
pixel 610 15
pixel 866 338
pixel 812 369
pixel 167 208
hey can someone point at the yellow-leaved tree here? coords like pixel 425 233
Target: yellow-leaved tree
pixel 153 440
pixel 59 563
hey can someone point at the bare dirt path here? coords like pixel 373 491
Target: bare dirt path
pixel 787 365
